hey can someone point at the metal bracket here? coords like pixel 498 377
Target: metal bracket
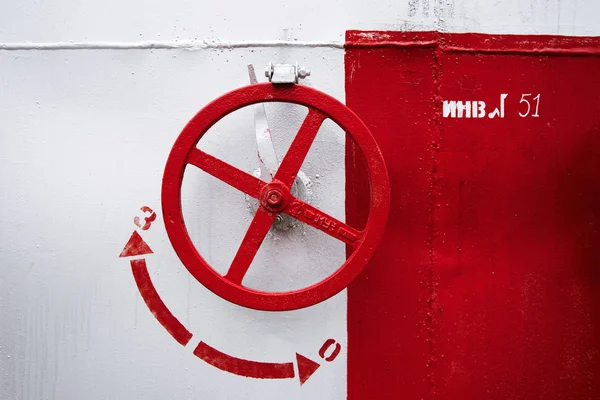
pixel 285 73
pixel 268 162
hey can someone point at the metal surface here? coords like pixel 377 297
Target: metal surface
pixel 302 72
pixel 286 73
pixel 268 162
pixel 302 189
pixel 264 144
pixel 275 197
pixel 486 283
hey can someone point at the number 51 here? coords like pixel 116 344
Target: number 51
pixel 537 105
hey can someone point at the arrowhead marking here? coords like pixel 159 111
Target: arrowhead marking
pixel 306 367
pixel 135 246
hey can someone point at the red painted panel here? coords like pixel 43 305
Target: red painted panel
pixel 487 283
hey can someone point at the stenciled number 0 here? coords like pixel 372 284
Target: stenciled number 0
pixel 275 196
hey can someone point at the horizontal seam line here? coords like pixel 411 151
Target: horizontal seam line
pixel 184 45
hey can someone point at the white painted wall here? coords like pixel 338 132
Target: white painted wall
pixel 234 20
pixel 84 143
pixel 84 135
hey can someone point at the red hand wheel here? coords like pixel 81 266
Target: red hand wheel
pixel 275 196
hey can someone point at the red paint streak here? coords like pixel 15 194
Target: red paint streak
pixel 238 366
pixel 135 246
pixel 486 284
pixel 156 305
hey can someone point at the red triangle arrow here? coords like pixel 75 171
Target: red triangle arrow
pixel 135 246
pixel 306 367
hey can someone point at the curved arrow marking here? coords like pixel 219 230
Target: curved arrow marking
pixel 155 303
pixel 238 366
pixel 135 246
pixel 212 356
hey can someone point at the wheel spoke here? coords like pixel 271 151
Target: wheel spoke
pixel 288 170
pixel 226 172
pixel 312 216
pixel 259 227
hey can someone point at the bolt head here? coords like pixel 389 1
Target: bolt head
pixel 269 70
pixel 274 197
pixel 303 72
